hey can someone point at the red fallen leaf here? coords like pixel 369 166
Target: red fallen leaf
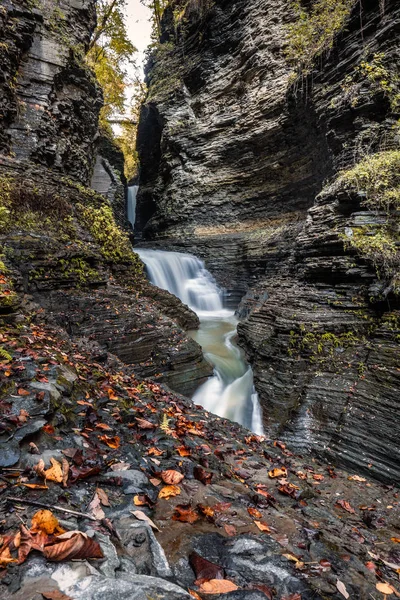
pixel 22 392
pixel 30 541
pixel 318 477
pixel 325 564
pixel 171 477
pixel 205 569
pixel 230 530
pixel 331 472
pixel 83 473
pixel 263 492
pixel 292 597
pixel 72 545
pixel 279 444
pixel 218 586
pixel 202 475
pixel 253 512
pixel 222 506
pixel 207 511
pixel 346 506
pixel 185 514
pixel 40 396
pixel 371 566
pixel 289 489
pixel 49 429
pixel 111 442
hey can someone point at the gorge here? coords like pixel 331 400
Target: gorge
pixel 199 362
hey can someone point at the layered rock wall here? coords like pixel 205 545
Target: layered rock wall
pixel 238 170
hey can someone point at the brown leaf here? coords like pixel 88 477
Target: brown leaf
pixel 54 473
pixel 289 489
pixel 168 491
pixel 183 451
pixel 103 497
pixel 155 452
pixel 207 511
pixel 318 477
pixel 65 471
pixel 143 424
pixel 5 557
pixel 72 545
pixel 30 541
pixel 83 473
pixel 171 477
pixel 22 392
pixel 262 526
pixel 346 506
pixel 218 586
pixel 139 514
pixel 185 514
pixel 111 442
pixel 342 589
pixel 282 472
pixel 230 530
pixel 384 588
pixel 95 508
pixel 253 512
pixel 205 569
pixel 44 521
pixel 202 475
pixel 356 478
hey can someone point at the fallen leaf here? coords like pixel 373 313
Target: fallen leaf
pixel 5 557
pixel 346 506
pixel 143 424
pixel 35 486
pixel 65 471
pixel 120 466
pixel 155 452
pixel 282 472
pixel 44 521
pixel 139 514
pixel 253 512
pixel 183 451
pixel 292 597
pixel 218 586
pixel 289 489
pixel 168 491
pixel 142 500
pixel 154 481
pixel 230 530
pixel 103 497
pixel 49 429
pixel 103 426
pixel 202 475
pixel 301 475
pixel 185 514
pixel 171 477
pixel 262 526
pixel 54 473
pixel 384 588
pixel 207 511
pixel 111 442
pixel 318 477
pixel 22 392
pixel 342 588
pixel 72 545
pixel 205 569
pixel 396 540
pixel 95 508
pixel 194 594
pixel 30 541
pixel 356 478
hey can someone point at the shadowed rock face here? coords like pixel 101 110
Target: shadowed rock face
pixel 238 170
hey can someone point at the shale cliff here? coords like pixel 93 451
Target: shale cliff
pixel 61 246
pixel 286 181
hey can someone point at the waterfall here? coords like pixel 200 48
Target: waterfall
pixel 230 392
pixel 131 203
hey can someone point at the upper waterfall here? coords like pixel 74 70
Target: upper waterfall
pixel 131 203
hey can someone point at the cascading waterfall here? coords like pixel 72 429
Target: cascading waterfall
pixel 230 392
pixel 131 203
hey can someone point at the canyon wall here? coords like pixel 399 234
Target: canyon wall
pixel 244 163
pixel 62 249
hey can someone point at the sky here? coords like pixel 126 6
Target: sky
pixel 139 27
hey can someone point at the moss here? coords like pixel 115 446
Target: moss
pixel 113 241
pixel 314 30
pixel 377 179
pixel 74 268
pixel 321 347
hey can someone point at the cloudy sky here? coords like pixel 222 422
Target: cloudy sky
pixel 138 26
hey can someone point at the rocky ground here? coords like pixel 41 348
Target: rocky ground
pixel 181 502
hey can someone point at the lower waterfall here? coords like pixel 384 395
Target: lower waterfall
pixel 230 392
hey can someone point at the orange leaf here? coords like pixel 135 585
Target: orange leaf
pixel 282 472
pixel 72 545
pixel 346 506
pixel 111 394
pixel 54 473
pixel 22 392
pixel 318 477
pixel 101 425
pixel 155 452
pixel 194 594
pixel 35 486
pixel 218 586
pixel 183 451
pixel 6 558
pixel 396 540
pixel 253 512
pixel 262 526
pixel 111 442
pixel 171 477
pixel 168 491
pixel 49 429
pixel 230 530
pixel 44 521
pixel 185 513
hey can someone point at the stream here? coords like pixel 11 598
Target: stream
pixel 230 391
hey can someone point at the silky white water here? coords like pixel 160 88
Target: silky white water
pixel 230 392
pixel 131 203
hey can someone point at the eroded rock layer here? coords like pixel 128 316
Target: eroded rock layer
pixel 241 164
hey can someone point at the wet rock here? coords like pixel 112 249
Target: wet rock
pixel 9 453
pixel 137 587
pixel 143 548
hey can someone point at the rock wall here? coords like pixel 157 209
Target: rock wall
pixel 63 251
pixel 239 162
